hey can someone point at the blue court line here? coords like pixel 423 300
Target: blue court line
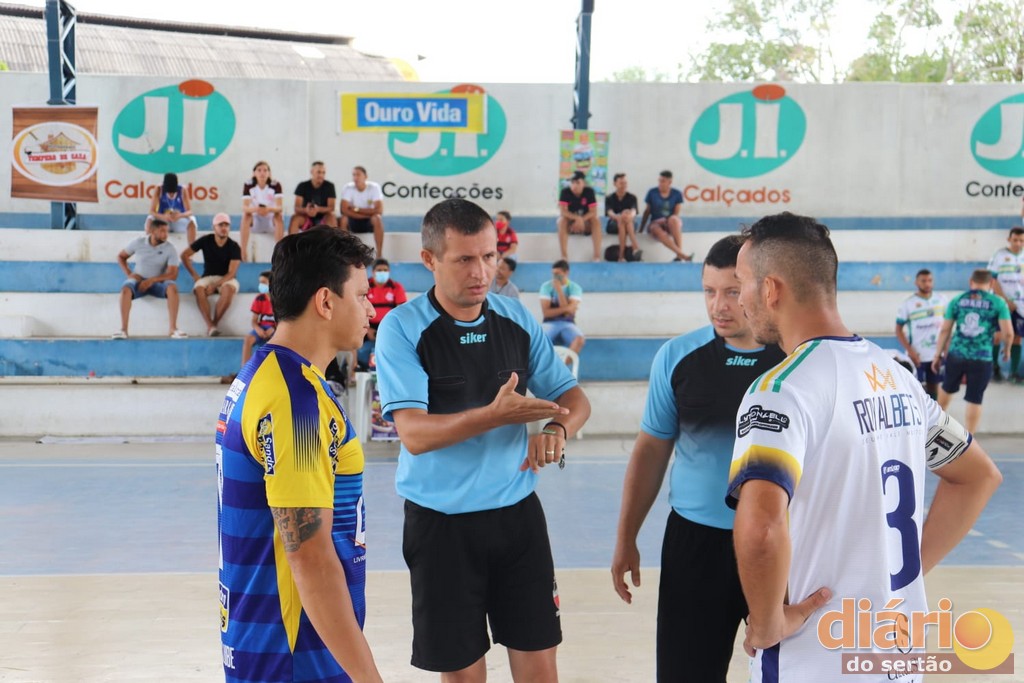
pixel 108 517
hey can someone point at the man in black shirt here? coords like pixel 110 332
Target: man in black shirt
pixel 577 215
pixel 314 201
pixel 620 207
pixel 221 258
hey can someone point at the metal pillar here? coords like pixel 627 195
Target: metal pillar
pixel 60 39
pixel 581 92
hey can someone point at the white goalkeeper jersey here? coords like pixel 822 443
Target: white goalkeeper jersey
pixel 842 428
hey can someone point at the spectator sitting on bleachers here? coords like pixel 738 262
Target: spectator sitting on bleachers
pixel 577 215
pixel 263 321
pixel 508 241
pixel 559 302
pixel 502 282
pixel 262 209
pixel 362 208
pixel 156 268
pixel 221 258
pixel 1007 268
pixel 173 206
pixel 620 207
pixel 385 295
pixel 314 201
pixel 664 203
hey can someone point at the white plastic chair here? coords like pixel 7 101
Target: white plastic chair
pixel 565 353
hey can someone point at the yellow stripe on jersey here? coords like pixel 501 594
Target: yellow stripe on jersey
pixel 287 591
pixel 772 380
pixel 764 462
pixel 281 423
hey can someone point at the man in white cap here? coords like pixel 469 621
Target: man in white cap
pixel 221 258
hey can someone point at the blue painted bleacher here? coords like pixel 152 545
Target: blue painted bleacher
pixel 69 277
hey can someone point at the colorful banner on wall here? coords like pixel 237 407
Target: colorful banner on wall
pixel 585 151
pixel 380 429
pixel 54 154
pixel 452 112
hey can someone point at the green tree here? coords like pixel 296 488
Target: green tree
pixel 989 43
pixel 638 74
pixel 984 44
pixel 786 40
pixel 890 58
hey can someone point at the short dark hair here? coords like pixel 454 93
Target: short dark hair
pixel 666 174
pixel 578 175
pixel 305 262
pixel 506 214
pixel 459 215
pixel 157 222
pixel 1016 230
pixel 266 273
pixel 923 271
pixel 511 263
pixel 799 249
pixel 722 253
pixel 561 264
pixel 360 168
pixel 616 177
pixel 381 262
pixel 981 276
pixel 316 163
pixel 170 183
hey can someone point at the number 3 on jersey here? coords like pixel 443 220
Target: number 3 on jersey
pixel 902 520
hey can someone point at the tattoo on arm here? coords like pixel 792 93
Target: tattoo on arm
pixel 296 525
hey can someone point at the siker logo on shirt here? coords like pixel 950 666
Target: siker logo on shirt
pixel 760 418
pixel 740 360
pixel 473 338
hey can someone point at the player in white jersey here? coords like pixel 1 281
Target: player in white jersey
pixel 1007 267
pixel 921 314
pixel 829 463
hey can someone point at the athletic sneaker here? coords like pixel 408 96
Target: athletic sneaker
pixel 120 334
pixel 178 334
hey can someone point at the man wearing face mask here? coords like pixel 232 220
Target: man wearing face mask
pixel 385 294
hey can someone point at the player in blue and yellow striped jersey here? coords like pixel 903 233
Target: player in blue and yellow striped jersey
pixel 290 480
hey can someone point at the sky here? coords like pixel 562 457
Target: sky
pixel 494 41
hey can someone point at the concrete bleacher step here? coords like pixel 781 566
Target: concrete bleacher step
pixel 602 314
pixel 158 407
pixel 102 246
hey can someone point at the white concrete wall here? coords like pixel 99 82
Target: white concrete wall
pixel 102 246
pixel 618 314
pixel 190 409
pixel 866 149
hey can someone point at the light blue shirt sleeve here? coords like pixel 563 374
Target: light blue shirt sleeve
pixel 661 416
pixel 401 379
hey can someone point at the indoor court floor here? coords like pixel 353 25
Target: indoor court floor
pixel 107 569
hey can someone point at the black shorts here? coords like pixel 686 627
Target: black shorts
pixel 700 602
pixel 978 373
pixel 468 569
pixel 925 374
pixel 360 225
pixel 1017 322
pixel 612 227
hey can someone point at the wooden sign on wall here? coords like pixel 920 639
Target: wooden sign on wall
pixel 54 153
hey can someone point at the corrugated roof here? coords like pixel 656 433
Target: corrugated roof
pixel 146 48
